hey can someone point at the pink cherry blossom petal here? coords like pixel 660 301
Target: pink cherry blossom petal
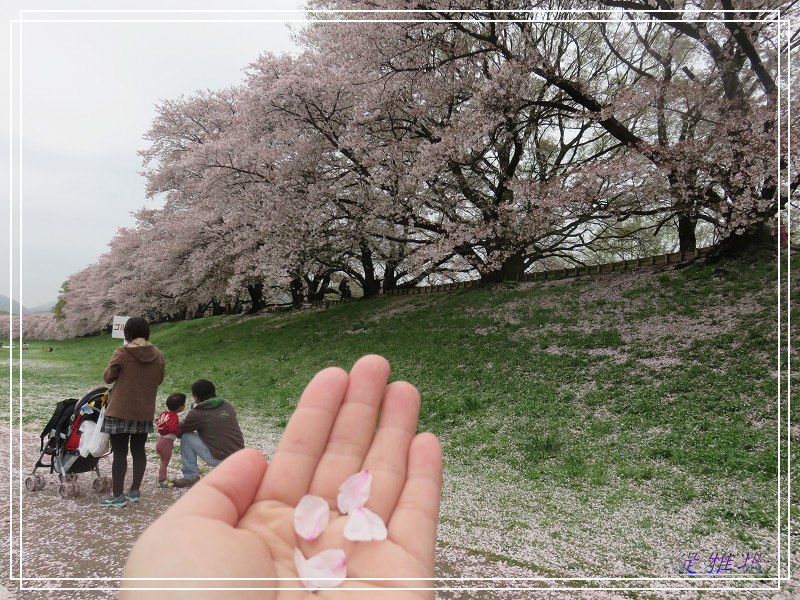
pixel 354 492
pixel 329 563
pixel 311 517
pixel 364 526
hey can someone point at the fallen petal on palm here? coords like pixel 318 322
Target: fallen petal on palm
pixel 364 526
pixel 315 571
pixel 354 492
pixel 311 517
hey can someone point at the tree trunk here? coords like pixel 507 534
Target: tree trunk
pixel 372 288
pixel 755 236
pixel 390 277
pixel 178 316
pixel 686 233
pixel 256 292
pixel 317 287
pixel 512 269
pixel 370 285
pixel 296 288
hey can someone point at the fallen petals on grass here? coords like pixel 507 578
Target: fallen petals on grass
pixel 312 572
pixel 311 517
pixel 354 492
pixel 364 526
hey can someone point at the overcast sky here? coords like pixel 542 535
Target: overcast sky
pixel 87 93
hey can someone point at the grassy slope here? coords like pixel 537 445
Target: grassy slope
pixel 656 386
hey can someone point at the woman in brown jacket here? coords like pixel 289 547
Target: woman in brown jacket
pixel 136 369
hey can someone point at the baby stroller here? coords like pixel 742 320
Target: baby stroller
pixel 63 437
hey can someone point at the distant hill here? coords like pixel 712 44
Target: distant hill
pixel 8 305
pixel 47 307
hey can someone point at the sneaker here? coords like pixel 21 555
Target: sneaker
pixel 115 501
pixel 133 496
pixel 165 484
pixel 185 483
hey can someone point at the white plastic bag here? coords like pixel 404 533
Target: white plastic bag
pixel 98 442
pixel 87 429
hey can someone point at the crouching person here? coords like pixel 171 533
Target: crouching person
pixel 210 431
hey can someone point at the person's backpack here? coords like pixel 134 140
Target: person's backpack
pixel 60 418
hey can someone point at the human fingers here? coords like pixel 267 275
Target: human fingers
pixel 354 428
pixel 292 468
pixel 387 459
pixel 415 519
pixel 227 492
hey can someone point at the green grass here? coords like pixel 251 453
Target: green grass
pixel 557 381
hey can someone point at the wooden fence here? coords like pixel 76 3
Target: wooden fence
pixel 622 265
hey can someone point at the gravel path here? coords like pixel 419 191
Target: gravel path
pixel 75 538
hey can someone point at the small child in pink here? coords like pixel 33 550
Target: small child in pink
pixel 169 429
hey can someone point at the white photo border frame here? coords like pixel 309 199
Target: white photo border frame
pixel 15 26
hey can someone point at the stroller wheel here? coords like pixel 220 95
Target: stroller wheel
pixel 68 490
pixel 40 482
pixel 101 484
pixel 30 484
pixel 70 477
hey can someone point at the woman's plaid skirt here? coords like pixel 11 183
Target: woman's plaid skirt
pixel 113 426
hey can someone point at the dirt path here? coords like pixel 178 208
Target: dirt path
pixel 75 538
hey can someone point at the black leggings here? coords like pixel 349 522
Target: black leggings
pixel 119 464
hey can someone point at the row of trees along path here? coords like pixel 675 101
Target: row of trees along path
pixel 673 258
pixel 456 144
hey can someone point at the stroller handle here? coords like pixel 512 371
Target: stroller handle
pixel 100 393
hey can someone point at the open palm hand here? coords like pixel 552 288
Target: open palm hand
pixel 235 528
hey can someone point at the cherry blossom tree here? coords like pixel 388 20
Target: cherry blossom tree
pixel 341 168
pixel 88 308
pixel 193 164
pixel 718 84
pixel 473 122
pixel 468 143
pixel 36 326
pixel 729 65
